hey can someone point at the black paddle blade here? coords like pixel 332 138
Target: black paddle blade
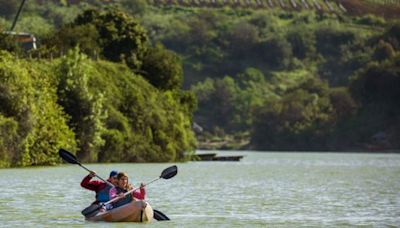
pixel 159 216
pixel 68 157
pixel 92 210
pixel 169 172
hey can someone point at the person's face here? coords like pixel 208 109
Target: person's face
pixel 114 180
pixel 123 182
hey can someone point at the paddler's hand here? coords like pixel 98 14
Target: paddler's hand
pixel 129 187
pixel 142 185
pixel 92 174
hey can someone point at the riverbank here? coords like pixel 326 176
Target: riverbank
pixel 242 142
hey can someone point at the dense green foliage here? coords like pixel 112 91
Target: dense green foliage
pixel 300 99
pixel 163 68
pixel 107 112
pixel 84 106
pixel 281 80
pixel 32 124
pixel 103 109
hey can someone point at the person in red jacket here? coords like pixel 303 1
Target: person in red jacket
pixel 101 188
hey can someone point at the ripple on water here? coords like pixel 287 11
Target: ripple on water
pixel 263 190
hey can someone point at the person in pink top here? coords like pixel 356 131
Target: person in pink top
pixel 122 187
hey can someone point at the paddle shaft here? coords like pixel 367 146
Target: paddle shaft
pixel 129 192
pixel 70 158
pixel 117 198
pixel 107 182
pixel 166 174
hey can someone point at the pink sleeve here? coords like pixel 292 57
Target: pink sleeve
pixel 113 193
pixel 139 195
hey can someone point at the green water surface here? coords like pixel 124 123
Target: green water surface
pixel 262 190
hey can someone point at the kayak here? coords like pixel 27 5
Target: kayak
pixel 135 211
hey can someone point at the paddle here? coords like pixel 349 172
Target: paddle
pixel 159 216
pixel 166 174
pixel 70 158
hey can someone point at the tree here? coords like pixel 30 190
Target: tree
pixel 68 37
pixel 343 104
pixel 163 68
pixel 251 93
pixel 243 37
pixel 121 38
pixel 302 41
pixel 295 121
pixel 32 125
pixel 383 51
pixel 8 139
pixel 378 84
pixel 276 52
pixel 392 35
pixel 85 108
pixel 330 40
pixel 216 101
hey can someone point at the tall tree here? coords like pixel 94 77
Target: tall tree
pixel 163 68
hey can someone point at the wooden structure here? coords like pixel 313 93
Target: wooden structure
pixel 214 157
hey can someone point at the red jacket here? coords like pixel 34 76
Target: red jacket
pixel 94 185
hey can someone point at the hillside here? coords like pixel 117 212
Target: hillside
pixel 388 9
pixel 267 78
pixel 104 108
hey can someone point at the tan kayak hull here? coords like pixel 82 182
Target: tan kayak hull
pixel 135 211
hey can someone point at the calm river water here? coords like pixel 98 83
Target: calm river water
pixel 262 190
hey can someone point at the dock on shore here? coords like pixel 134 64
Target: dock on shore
pixel 214 157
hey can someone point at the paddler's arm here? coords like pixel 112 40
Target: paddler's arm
pixel 140 195
pixel 91 185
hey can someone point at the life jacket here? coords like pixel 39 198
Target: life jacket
pixel 104 194
pixel 127 199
